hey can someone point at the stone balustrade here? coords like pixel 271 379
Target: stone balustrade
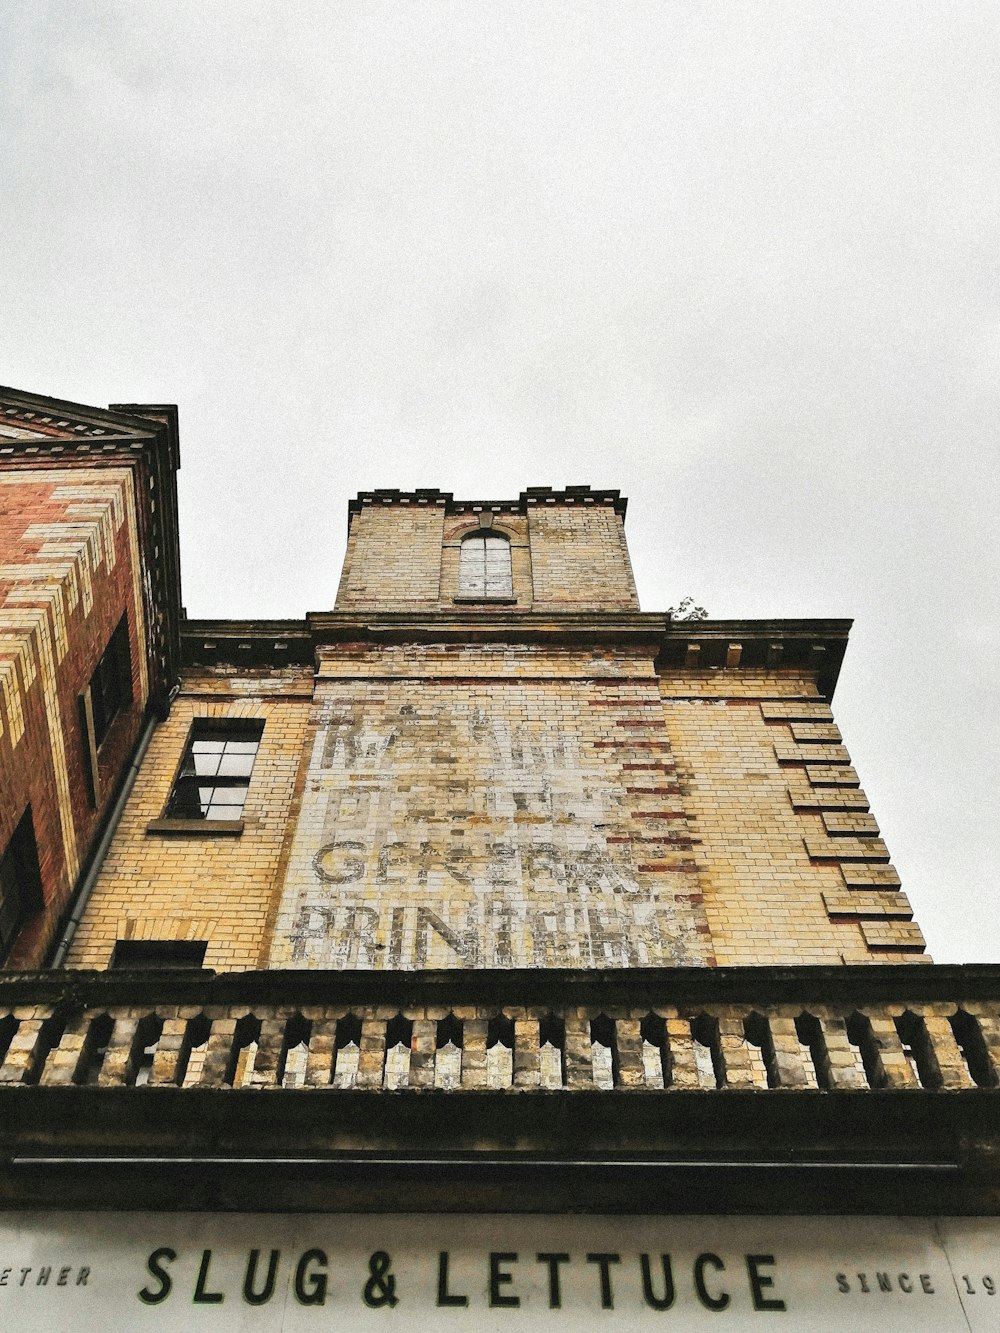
pixel 649 1032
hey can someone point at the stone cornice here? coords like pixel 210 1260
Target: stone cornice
pixel 811 644
pixel 816 645
pixel 443 625
pixel 249 643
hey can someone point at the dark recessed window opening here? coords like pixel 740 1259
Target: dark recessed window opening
pixel 159 954
pixel 484 567
pixel 215 773
pixel 20 883
pixel 111 684
pixel 109 691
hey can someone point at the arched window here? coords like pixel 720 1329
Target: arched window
pixel 485 566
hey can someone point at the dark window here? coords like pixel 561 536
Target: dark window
pixel 20 883
pixel 111 683
pixel 215 772
pixel 484 568
pixel 109 691
pixel 159 954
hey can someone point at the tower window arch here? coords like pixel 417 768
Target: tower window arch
pixel 485 568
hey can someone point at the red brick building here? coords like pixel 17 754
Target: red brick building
pixel 89 612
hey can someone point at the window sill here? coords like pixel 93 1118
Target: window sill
pixel 487 601
pixel 203 828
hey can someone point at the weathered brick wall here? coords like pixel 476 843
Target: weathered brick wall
pixel 69 570
pixel 404 555
pixel 483 805
pixel 579 557
pixel 206 887
pixel 793 869
pixel 393 558
pixel 489 805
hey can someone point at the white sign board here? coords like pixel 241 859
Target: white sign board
pixel 269 1272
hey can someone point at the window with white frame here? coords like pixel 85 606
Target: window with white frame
pixel 485 568
pixel 215 773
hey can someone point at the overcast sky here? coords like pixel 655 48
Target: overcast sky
pixel 739 260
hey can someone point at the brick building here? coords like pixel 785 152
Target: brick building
pixel 514 898
pixel 89 614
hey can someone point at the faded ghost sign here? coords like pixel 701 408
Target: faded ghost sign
pixel 489 824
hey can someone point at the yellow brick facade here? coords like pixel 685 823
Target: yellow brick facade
pixel 781 879
pixel 579 557
pixel 218 889
pixel 545 792
pixel 393 559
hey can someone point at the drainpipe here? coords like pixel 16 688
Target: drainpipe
pixel 100 852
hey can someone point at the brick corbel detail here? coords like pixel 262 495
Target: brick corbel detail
pixel 822 782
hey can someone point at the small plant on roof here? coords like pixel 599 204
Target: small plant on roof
pixel 687 610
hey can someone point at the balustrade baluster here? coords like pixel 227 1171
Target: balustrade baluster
pixel 169 1048
pixel 371 1061
pixel 319 1058
pixel 474 1035
pixel 789 1065
pixel 680 1045
pixel 22 1056
pixel 737 1070
pixel 270 1045
pixel 26 1050
pixel 527 1069
pixel 577 1054
pixel 120 1052
pixel 218 1052
pixel 423 1052
pixel 989 1029
pixel 841 1058
pixel 64 1060
pixel 896 1068
pixel 628 1037
pixel 946 1050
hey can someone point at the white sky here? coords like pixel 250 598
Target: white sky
pixel 739 260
